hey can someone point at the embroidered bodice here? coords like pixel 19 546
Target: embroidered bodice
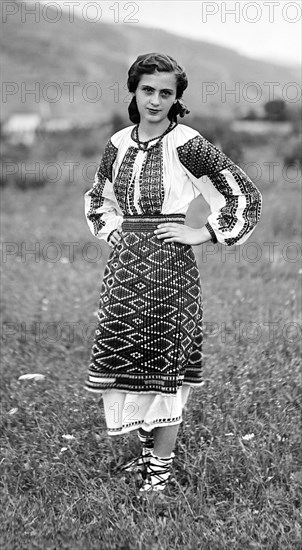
pixel 165 178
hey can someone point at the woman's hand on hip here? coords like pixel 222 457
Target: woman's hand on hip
pixel 180 233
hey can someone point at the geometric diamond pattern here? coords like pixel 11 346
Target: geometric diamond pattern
pixel 201 158
pixel 149 334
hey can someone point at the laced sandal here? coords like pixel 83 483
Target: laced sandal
pixel 158 473
pixel 139 464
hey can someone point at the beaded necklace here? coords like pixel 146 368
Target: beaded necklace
pixel 143 145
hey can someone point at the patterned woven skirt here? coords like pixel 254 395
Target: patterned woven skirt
pixel 149 334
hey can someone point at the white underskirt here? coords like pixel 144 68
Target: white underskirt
pixel 125 412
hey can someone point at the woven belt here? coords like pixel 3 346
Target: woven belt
pixel 149 223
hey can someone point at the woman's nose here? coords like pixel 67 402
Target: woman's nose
pixel 155 99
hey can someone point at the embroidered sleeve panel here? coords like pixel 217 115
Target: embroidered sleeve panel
pixel 105 169
pixel 103 174
pixel 235 221
pixel 234 200
pixel 212 233
pixel 202 158
pixel 249 214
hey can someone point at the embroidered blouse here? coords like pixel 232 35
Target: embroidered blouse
pixel 165 178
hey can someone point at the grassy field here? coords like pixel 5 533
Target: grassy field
pixel 237 473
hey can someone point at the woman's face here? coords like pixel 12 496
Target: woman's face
pixel 155 95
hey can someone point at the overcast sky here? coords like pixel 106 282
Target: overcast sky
pixel 260 29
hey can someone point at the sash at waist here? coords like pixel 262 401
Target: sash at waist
pixel 149 223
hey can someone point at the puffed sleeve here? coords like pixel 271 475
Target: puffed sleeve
pixel 234 200
pixel 102 212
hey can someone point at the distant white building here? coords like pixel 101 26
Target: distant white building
pixel 261 127
pixel 22 127
pixel 58 125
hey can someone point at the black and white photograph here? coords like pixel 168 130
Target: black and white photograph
pixel 151 275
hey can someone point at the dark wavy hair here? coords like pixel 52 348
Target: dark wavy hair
pixel 147 64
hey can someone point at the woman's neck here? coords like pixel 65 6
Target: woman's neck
pixel 151 130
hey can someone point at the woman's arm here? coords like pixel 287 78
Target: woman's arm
pixel 102 212
pixel 234 200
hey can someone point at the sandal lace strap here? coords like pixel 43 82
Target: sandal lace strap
pixel 158 473
pixel 138 463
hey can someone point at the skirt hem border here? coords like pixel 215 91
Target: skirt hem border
pixel 100 391
pixel 128 429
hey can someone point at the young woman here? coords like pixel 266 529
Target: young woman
pixel 147 351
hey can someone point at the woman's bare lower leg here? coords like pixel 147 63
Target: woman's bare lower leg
pixel 165 439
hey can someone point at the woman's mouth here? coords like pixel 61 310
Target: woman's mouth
pixel 153 111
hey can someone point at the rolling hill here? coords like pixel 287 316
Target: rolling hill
pixel 72 55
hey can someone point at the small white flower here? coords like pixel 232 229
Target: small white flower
pixel 68 436
pixel 64 449
pixel 229 434
pixel 248 437
pixel 13 411
pixel 35 377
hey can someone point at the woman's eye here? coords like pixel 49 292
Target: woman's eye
pixel 166 94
